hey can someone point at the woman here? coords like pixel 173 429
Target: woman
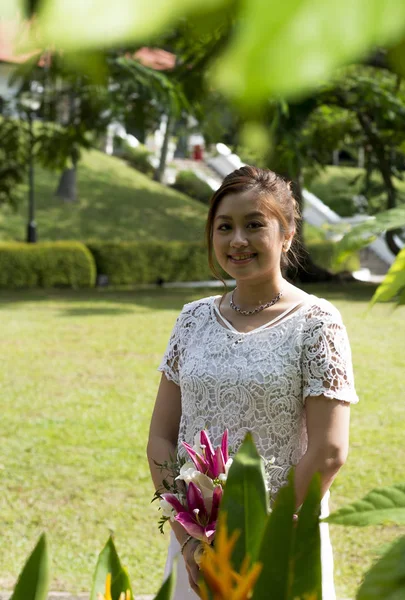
pixel 266 357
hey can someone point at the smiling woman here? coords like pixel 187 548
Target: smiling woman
pixel 266 358
pixel 258 207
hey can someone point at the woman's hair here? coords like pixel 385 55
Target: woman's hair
pixel 276 193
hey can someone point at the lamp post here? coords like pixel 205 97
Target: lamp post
pixel 30 105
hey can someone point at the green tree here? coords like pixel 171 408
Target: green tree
pixel 377 99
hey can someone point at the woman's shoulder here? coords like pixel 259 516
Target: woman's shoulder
pixel 197 307
pixel 320 309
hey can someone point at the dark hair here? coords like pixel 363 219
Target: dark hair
pixel 277 194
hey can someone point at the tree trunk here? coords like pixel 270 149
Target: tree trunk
pixel 306 271
pixel 384 167
pixel 158 175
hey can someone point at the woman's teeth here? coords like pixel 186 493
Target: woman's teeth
pixel 242 256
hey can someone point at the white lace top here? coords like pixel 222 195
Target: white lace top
pixel 258 381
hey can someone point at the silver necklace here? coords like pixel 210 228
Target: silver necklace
pixel 246 313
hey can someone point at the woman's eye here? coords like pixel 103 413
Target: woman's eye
pixel 255 225
pixel 223 227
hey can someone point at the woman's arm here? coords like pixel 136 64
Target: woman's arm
pixel 163 433
pixel 328 443
pixel 162 445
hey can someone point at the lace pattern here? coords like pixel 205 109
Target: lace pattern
pixel 258 381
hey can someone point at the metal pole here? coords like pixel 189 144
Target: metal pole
pixel 32 227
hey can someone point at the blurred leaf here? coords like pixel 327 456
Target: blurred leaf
pixel 11 9
pixel 33 581
pixel 167 589
pixel 386 579
pixel 91 63
pixel 295 45
pixel 291 554
pixel 393 283
pixel 396 58
pixel 81 24
pixel 255 137
pixel 307 546
pixel 245 501
pixel 380 506
pixel 361 235
pixel 109 562
pixel 276 546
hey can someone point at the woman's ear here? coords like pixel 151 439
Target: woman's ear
pixel 288 241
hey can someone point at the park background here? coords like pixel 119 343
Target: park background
pixel 114 146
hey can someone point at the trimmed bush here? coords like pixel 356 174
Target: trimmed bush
pixel 138 158
pixel 189 183
pixel 46 265
pixel 127 263
pixel 130 263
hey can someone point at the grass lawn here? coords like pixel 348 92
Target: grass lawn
pixel 78 384
pixel 116 202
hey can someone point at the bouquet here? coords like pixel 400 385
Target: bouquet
pixel 194 496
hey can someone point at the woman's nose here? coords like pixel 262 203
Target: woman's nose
pixel 239 239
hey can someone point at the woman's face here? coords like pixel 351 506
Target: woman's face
pixel 247 239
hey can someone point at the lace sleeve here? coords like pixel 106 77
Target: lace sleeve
pixel 170 362
pixel 326 360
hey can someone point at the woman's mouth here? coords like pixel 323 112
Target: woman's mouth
pixel 242 259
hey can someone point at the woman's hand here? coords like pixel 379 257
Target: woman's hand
pixel 191 566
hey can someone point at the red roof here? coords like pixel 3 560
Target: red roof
pixel 156 58
pixel 13 33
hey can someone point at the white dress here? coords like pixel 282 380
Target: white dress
pixel 258 381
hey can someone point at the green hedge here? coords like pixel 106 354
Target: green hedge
pixel 127 263
pixel 46 265
pixel 138 158
pixel 72 264
pixel 189 183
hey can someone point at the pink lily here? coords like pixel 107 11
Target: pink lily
pixel 195 519
pixel 211 463
pixel 174 501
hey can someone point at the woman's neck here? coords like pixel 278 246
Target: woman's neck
pixel 250 295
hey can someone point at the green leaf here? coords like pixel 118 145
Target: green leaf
pixel 361 235
pixel 85 24
pixel 296 45
pixel 109 562
pixel 33 581
pixel 380 506
pixel 386 579
pixel 167 589
pixel 245 501
pixel 396 58
pixel 393 283
pixel 12 9
pixel 276 546
pixel 307 574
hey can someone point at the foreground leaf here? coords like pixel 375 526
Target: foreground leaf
pixel 381 506
pixel 363 234
pixel 102 24
pixel 320 35
pixel 109 562
pixel 245 501
pixel 386 579
pixel 307 574
pixel 167 590
pixel 393 283
pixel 33 581
pixel 276 547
